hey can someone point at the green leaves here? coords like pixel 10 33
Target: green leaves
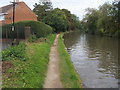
pixel 42 9
pixel 57 20
pixel 103 21
pixel 38 28
pixel 14 52
pixel 32 38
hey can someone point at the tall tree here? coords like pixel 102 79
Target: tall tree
pixel 42 9
pixel 91 19
pixel 57 19
pixel 73 20
pixel 104 20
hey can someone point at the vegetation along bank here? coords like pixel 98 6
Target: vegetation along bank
pixel 26 66
pixel 103 21
pixel 68 74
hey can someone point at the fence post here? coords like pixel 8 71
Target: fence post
pixel 27 32
pixel 6 34
pixel 17 31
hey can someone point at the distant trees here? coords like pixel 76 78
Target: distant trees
pixel 105 20
pixel 59 19
pixel 91 20
pixel 73 20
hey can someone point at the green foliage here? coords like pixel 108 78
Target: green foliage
pixel 69 76
pixel 32 72
pixel 91 18
pixel 73 20
pixel 32 38
pixel 103 21
pixel 62 20
pixel 40 29
pixel 14 52
pixel 42 9
pixel 57 20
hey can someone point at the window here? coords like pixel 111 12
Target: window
pixel 2 17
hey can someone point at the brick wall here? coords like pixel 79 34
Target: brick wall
pixel 22 13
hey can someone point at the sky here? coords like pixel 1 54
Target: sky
pixel 76 7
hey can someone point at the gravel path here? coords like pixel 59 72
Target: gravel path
pixel 53 74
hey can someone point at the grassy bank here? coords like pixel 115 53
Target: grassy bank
pixel 28 73
pixel 69 77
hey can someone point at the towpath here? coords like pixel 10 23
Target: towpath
pixel 53 74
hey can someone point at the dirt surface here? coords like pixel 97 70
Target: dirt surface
pixel 6 65
pixel 53 74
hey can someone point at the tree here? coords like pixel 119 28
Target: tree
pixel 91 20
pixel 42 9
pixel 116 17
pixel 57 19
pixel 73 20
pixel 76 21
pixel 60 20
pixel 104 21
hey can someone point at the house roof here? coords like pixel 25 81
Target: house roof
pixel 6 8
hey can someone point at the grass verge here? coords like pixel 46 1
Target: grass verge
pixel 30 73
pixel 69 76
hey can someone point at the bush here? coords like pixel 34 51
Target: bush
pixel 14 52
pixel 32 38
pixel 40 29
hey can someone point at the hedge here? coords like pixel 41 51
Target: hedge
pixel 40 29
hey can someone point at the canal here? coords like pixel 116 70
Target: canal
pixel 4 44
pixel 95 58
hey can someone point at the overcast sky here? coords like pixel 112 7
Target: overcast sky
pixel 75 6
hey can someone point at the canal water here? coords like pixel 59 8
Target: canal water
pixel 5 44
pixel 95 58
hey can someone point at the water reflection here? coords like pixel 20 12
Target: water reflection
pixel 68 41
pixel 95 58
pixel 5 44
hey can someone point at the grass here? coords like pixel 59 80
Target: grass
pixel 32 72
pixel 69 77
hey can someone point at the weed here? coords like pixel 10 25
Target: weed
pixel 14 52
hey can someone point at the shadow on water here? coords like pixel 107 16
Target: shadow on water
pixel 5 43
pixel 71 38
pixel 95 58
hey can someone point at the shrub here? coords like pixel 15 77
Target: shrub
pixel 14 52
pixel 32 38
pixel 40 29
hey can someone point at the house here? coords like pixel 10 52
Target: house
pixel 22 13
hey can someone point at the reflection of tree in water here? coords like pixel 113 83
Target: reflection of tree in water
pixel 71 38
pixel 119 60
pixel 105 49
